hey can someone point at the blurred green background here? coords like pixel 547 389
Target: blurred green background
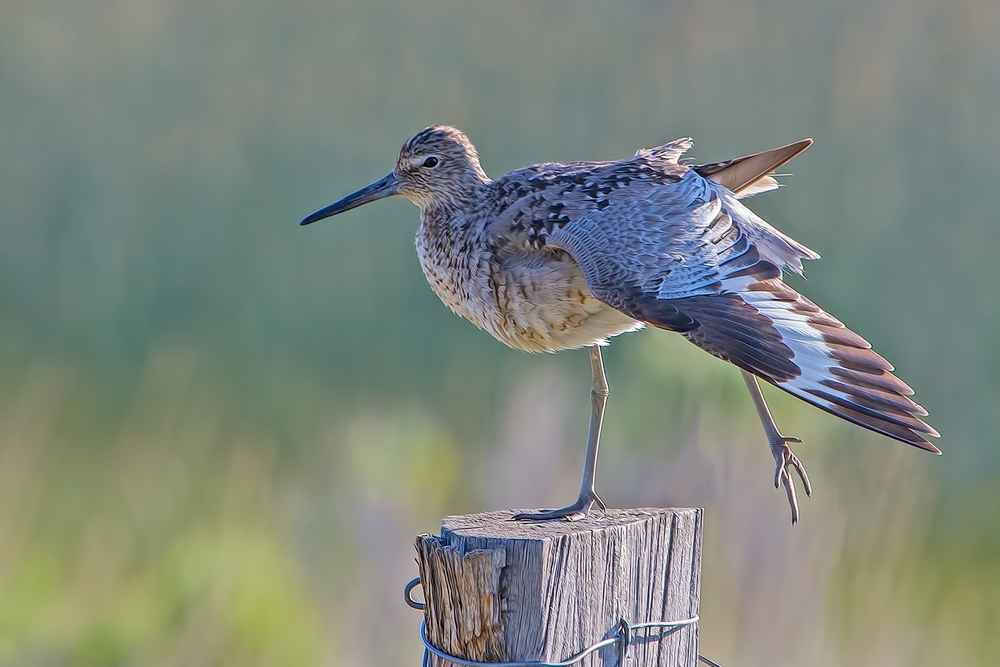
pixel 220 433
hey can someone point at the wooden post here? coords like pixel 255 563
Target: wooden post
pixel 500 590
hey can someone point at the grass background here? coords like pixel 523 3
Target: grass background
pixel 219 433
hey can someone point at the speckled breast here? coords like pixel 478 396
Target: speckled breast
pixel 536 301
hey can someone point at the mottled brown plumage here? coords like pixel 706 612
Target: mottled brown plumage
pixel 557 256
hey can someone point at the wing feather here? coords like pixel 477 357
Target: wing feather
pixel 689 257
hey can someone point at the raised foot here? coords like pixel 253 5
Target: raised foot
pixel 574 512
pixel 783 458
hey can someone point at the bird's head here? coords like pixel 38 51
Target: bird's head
pixel 436 168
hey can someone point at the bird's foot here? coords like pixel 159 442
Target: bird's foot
pixel 574 512
pixel 783 458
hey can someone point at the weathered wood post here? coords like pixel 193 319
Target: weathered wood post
pixel 498 590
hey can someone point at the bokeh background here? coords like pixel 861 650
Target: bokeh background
pixel 220 432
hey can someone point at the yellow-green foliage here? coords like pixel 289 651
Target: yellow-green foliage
pixel 219 433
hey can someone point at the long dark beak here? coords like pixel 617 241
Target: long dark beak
pixel 384 187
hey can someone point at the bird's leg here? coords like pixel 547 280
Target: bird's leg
pixel 783 456
pixel 598 398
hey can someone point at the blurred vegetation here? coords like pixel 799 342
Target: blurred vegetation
pixel 219 433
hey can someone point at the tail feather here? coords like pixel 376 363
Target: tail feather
pixel 752 174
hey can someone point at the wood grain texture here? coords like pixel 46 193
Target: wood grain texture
pixel 559 587
pixel 462 598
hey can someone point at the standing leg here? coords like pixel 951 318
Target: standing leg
pixel 598 398
pixel 783 456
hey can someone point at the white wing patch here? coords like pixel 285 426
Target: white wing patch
pixel 840 373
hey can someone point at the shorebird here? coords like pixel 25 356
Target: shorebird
pixel 559 256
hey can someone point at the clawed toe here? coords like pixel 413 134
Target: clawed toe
pixel 574 512
pixel 550 515
pixel 600 503
pixel 783 458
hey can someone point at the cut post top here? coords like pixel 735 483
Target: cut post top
pixel 500 524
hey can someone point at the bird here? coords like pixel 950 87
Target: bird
pixel 558 256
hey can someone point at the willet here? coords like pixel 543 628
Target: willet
pixel 559 256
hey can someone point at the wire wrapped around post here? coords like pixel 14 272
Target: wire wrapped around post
pixel 622 638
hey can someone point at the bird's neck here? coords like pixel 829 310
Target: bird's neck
pixel 456 201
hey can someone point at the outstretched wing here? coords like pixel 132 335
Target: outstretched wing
pixel 690 258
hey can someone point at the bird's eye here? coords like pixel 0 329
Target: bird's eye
pixel 431 162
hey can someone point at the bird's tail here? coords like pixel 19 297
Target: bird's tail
pixel 838 370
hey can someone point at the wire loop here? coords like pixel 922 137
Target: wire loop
pixel 410 602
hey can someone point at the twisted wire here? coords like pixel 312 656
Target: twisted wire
pixel 622 637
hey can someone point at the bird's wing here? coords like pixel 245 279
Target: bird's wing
pixel 690 258
pixel 752 174
pixel 531 203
